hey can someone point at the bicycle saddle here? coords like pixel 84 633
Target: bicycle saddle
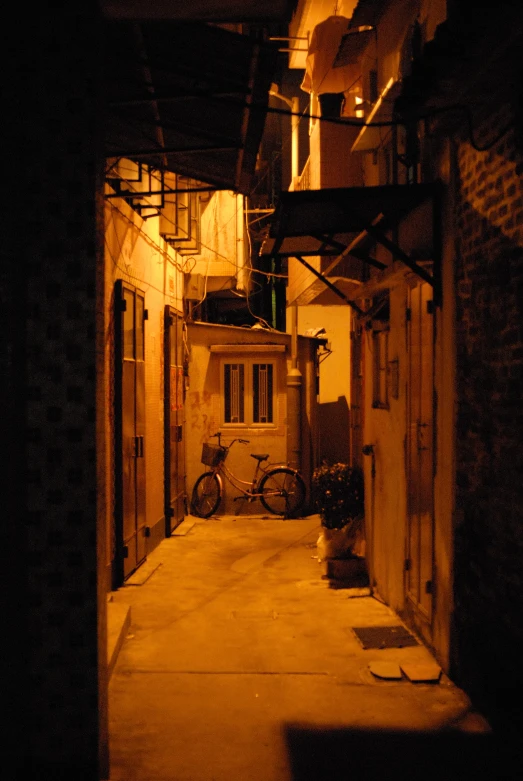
pixel 260 457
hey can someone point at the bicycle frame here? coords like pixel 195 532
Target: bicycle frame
pixel 238 483
pixel 250 492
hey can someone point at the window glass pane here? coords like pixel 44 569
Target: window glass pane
pixel 234 390
pixel 262 382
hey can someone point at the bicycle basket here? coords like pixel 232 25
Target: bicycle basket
pixel 212 455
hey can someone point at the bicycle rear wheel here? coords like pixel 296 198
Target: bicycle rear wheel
pixel 206 495
pixel 283 491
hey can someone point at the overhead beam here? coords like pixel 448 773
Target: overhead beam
pixel 350 250
pixel 399 253
pixel 172 151
pixel 330 285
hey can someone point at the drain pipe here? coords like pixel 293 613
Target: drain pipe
pixel 294 385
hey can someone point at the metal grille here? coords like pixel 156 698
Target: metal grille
pixel 384 636
pixel 262 392
pixel 234 393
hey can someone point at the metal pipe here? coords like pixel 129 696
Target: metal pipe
pixel 294 393
pixel 329 284
pixel 294 337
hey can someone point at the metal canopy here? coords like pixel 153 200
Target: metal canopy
pixel 187 97
pixel 344 209
pixel 346 223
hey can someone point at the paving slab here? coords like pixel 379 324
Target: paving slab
pixel 242 663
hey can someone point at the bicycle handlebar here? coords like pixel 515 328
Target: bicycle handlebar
pixel 218 435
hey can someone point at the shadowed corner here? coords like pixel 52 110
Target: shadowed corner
pixel 340 754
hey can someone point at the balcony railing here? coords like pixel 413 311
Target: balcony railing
pixel 303 181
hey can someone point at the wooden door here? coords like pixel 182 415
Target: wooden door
pixel 174 421
pixel 356 394
pixel 420 454
pixel 130 523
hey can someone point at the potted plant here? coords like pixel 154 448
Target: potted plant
pixel 338 497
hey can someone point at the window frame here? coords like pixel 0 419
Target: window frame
pixel 248 391
pixel 380 366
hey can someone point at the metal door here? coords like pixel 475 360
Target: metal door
pixel 174 421
pixel 130 542
pixel 420 453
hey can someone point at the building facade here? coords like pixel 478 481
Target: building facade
pixel 419 238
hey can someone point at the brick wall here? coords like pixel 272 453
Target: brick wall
pixel 488 626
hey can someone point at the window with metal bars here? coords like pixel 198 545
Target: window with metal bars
pixel 234 392
pixel 248 389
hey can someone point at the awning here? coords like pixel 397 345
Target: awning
pixel 346 223
pixel 352 45
pixel 187 97
pixel 377 124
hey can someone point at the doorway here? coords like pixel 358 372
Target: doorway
pixel 129 408
pixel 420 458
pixel 174 394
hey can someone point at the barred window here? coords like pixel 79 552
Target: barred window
pixel 248 393
pixel 234 385
pixel 262 393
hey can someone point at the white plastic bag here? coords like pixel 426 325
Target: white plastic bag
pixel 341 543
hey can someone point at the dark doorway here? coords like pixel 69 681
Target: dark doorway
pixel 174 421
pixel 130 528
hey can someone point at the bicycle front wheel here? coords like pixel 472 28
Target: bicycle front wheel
pixel 283 492
pixel 206 495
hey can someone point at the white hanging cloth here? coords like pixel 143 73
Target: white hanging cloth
pixel 320 76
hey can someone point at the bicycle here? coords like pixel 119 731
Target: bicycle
pixel 280 488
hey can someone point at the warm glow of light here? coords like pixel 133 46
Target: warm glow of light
pixel 378 103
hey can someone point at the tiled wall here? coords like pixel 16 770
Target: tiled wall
pixel 54 244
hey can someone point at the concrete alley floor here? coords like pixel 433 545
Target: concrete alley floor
pixel 240 663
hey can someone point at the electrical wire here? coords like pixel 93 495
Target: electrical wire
pixel 390 123
pixel 347 121
pixel 222 228
pixel 153 175
pixel 180 267
pixel 171 222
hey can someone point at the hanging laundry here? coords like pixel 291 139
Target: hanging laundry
pixel 320 75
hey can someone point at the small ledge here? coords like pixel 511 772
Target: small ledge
pixel 247 348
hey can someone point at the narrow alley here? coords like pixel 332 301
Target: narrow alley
pixel 240 662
